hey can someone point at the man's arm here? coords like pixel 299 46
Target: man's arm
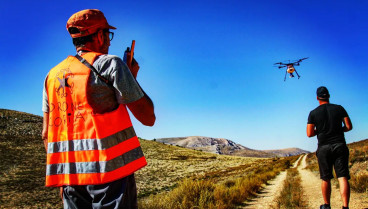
pixel 311 131
pixel 45 128
pixel 143 110
pixel 127 89
pixel 44 138
pixel 348 126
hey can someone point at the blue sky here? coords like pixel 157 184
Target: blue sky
pixel 207 65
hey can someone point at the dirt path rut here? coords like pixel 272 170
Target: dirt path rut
pixel 312 191
pixel 267 196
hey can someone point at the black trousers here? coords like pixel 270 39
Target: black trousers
pixel 118 194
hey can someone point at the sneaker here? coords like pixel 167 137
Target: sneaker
pixel 325 206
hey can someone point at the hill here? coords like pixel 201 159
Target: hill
pixel 15 123
pixel 226 147
pixel 287 152
pixel 22 165
pixel 22 168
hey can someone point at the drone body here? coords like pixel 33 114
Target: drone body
pixel 290 67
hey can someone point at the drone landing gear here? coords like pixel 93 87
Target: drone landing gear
pixel 285 76
pixel 297 74
pixel 291 75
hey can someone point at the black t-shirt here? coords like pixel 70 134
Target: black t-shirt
pixel 328 120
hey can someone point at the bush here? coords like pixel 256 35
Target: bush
pixel 359 183
pixel 189 194
pixel 291 195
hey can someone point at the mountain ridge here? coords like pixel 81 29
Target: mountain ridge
pixel 226 147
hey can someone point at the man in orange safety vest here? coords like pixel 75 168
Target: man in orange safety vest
pixel 92 148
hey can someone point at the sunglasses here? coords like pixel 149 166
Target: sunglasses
pixel 111 34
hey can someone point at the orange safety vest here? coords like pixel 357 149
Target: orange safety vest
pixel 85 148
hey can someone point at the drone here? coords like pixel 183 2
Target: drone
pixel 290 67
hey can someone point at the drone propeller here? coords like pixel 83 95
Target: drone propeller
pixel 278 63
pixel 303 59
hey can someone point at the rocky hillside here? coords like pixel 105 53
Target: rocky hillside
pixel 209 144
pixel 214 145
pixel 226 147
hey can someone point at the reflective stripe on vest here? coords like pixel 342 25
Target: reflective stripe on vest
pixel 96 166
pixel 85 148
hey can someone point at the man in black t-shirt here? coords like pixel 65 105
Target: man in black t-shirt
pixel 326 121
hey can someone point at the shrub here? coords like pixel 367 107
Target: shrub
pixel 189 194
pixel 291 195
pixel 359 183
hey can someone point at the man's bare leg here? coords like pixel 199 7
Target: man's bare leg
pixel 326 190
pixel 344 190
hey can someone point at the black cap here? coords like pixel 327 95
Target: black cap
pixel 322 93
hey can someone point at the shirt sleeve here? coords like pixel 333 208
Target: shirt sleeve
pixel 127 89
pixel 310 118
pixel 343 112
pixel 45 100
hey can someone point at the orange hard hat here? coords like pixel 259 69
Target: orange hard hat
pixel 87 22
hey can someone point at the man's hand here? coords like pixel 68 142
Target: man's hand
pixel 61 193
pixel 134 68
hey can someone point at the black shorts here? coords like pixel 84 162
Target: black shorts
pixel 336 156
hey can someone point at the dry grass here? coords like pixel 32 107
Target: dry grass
pixel 22 165
pixel 291 196
pixel 214 176
pixel 359 166
pixel 168 164
pixel 226 180
pixel 22 179
pixel 312 163
pixel 359 183
pixel 218 190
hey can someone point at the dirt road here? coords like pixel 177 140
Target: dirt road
pixel 266 197
pixel 312 192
